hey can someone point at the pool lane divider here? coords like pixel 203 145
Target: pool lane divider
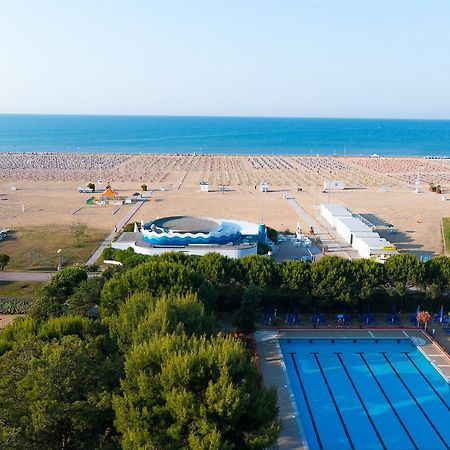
pixel 415 401
pixel 308 405
pixel 339 356
pixel 388 400
pixel 333 399
pixel 427 380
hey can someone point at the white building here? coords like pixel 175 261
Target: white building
pixel 331 211
pixel 333 185
pixel 356 232
pixel 194 236
pixel 264 187
pixel 204 186
pixel 349 227
pixel 374 247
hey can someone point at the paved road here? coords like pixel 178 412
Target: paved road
pixel 122 222
pixel 25 276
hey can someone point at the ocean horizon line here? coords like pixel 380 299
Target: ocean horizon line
pixel 227 116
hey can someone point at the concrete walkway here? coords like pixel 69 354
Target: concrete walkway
pixel 122 222
pixel 25 276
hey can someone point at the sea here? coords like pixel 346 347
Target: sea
pixel 223 135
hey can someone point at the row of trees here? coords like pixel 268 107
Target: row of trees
pixel 133 358
pixel 328 279
pixel 130 359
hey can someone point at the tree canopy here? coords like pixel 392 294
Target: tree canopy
pixel 193 392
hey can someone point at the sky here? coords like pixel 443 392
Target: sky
pixel 301 58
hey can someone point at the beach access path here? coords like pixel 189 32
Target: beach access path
pixel 122 222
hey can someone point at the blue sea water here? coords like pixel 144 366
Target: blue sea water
pixel 223 135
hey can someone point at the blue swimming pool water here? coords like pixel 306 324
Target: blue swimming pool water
pixel 367 394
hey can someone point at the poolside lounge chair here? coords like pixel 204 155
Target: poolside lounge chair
pixel 413 319
pixel 392 319
pixel 317 319
pixel 367 319
pixel 267 319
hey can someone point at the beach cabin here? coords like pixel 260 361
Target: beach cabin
pixel 333 185
pixel 374 247
pixel 109 194
pixel 348 227
pixel 204 186
pixel 331 211
pixel 264 187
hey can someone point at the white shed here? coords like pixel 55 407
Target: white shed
pixel 374 247
pixel 331 211
pixel 264 187
pixel 333 185
pixel 204 186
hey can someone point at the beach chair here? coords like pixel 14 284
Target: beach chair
pixel 413 319
pixel 290 319
pixel 437 318
pixel 267 319
pixel 297 319
pixel 392 319
pixel 371 319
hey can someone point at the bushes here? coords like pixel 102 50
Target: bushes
pixel 15 305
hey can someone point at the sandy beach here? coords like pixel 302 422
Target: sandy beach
pixel 41 189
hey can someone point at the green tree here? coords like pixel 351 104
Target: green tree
pixel 437 272
pixel 196 393
pixel 57 395
pixel 155 277
pixel 369 277
pixel 258 270
pixel 86 295
pixel 4 260
pixel 79 230
pixel 91 186
pixel 214 267
pixel 295 274
pixel 332 279
pixel 51 299
pixel 246 315
pixel 404 271
pixel 142 316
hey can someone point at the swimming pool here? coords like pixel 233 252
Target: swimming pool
pixel 367 394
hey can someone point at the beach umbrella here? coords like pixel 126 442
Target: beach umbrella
pixel 418 309
pixel 441 314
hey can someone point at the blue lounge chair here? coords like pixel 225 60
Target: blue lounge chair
pixel 317 319
pixel 392 319
pixel 437 319
pixel 367 319
pixel 267 319
pixel 413 319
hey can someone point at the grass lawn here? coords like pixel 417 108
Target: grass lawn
pixel 446 232
pixel 18 288
pixel 35 248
